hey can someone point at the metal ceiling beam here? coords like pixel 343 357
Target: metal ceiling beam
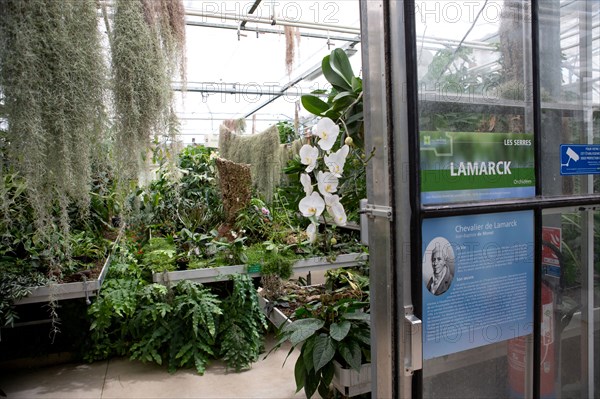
pixel 274 21
pixel 286 87
pixel 350 37
pixel 237 88
pixel 251 11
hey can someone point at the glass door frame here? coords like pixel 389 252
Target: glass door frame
pixel 396 213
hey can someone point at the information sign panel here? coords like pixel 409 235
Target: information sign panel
pixel 579 159
pixel 477 281
pixel 472 166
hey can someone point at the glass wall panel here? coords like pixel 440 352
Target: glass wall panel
pixel 570 304
pixel 570 94
pixel 475 105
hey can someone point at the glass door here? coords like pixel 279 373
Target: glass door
pixel 483 118
pixel 507 136
pixel 476 146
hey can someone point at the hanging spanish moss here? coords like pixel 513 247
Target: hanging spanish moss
pixel 52 79
pixel 292 41
pixel 141 85
pixel 263 152
pixel 168 17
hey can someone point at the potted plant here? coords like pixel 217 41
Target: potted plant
pixel 333 334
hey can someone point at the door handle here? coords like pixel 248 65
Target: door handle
pixel 413 343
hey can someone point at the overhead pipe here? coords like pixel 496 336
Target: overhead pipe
pixel 312 35
pixel 274 21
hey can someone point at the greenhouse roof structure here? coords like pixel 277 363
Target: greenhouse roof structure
pixel 236 54
pixel 236 60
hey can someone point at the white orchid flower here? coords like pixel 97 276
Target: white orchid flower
pixel 312 205
pixel 338 213
pixel 331 200
pixel 335 162
pixel 308 156
pixel 335 209
pixel 306 183
pixel 311 232
pixel 327 182
pixel 327 132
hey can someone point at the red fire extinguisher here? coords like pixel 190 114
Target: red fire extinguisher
pixel 517 353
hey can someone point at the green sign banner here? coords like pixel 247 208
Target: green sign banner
pixel 472 166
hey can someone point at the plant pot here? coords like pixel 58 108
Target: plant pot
pixel 349 382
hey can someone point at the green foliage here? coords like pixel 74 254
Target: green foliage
pixel 183 326
pixel 26 258
pixel 332 326
pixel 159 254
pixel 335 328
pixel 114 308
pixel 274 259
pixel 201 206
pixel 344 103
pixel 178 327
pixel 228 252
pixel 287 133
pixel 256 220
pixel 344 106
pixel 184 202
pixel 242 326
pixel 342 278
pixel 14 285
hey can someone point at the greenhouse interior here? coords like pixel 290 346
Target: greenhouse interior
pixel 289 199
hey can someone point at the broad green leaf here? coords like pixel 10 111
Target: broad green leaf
pixel 345 94
pixel 342 104
pixel 337 81
pixel 311 384
pixel 324 390
pixel 338 331
pixel 299 373
pixel 323 351
pixel 314 104
pixel 351 354
pixel 354 118
pixel 356 84
pixel 327 373
pixel 341 65
pixel 357 316
pixel 307 353
pixel 303 329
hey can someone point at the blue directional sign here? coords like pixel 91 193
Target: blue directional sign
pixel 579 159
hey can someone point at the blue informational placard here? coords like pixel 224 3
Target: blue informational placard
pixel 579 159
pixel 477 281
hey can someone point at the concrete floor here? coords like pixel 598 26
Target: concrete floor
pixel 122 378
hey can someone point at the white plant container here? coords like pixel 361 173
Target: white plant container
pixel 350 382
pixel 79 289
pixel 275 316
pixel 212 274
